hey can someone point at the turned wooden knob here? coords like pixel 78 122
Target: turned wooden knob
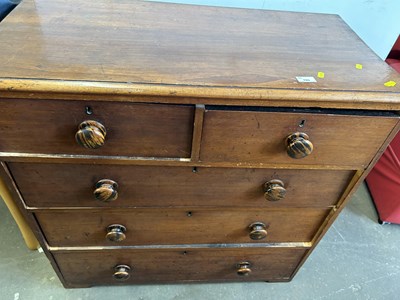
pixel 122 272
pixel 91 134
pixel 243 268
pixel 274 190
pixel 258 231
pixel 106 190
pixel 298 145
pixel 116 233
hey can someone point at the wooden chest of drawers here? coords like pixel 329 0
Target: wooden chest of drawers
pixel 148 142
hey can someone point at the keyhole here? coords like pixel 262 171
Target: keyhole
pixel 88 110
pixel 189 214
pixel 302 123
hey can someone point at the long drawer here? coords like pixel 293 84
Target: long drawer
pixel 70 185
pixel 262 137
pixel 124 227
pixel 131 129
pixel 86 268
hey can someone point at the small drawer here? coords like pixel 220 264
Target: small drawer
pixel 109 267
pixel 69 185
pixel 168 226
pixel 129 129
pixel 273 137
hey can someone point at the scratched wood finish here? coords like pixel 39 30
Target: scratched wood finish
pixel 35 126
pixel 70 185
pixel 251 136
pixel 83 268
pixel 187 94
pixel 143 42
pixel 110 55
pixel 169 226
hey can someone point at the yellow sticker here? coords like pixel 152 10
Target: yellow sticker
pixel 390 83
pixel 359 66
pixel 321 75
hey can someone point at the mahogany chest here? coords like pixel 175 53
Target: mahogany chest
pixel 150 143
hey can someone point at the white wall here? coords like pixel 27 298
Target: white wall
pixel 377 22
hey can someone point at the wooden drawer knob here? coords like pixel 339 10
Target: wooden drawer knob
pixel 258 231
pixel 274 190
pixel 116 233
pixel 91 134
pixel 122 272
pixel 298 145
pixel 106 190
pixel 243 268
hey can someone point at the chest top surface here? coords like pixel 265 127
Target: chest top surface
pixel 185 50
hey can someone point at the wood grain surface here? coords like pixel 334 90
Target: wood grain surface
pixel 252 136
pixel 193 193
pixel 71 185
pixel 184 46
pixel 170 226
pixel 186 264
pixel 35 126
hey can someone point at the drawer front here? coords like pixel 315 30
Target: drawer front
pixel 80 268
pixel 178 226
pixel 260 137
pixel 34 126
pixel 67 185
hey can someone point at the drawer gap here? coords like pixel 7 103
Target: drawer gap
pixel 313 110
